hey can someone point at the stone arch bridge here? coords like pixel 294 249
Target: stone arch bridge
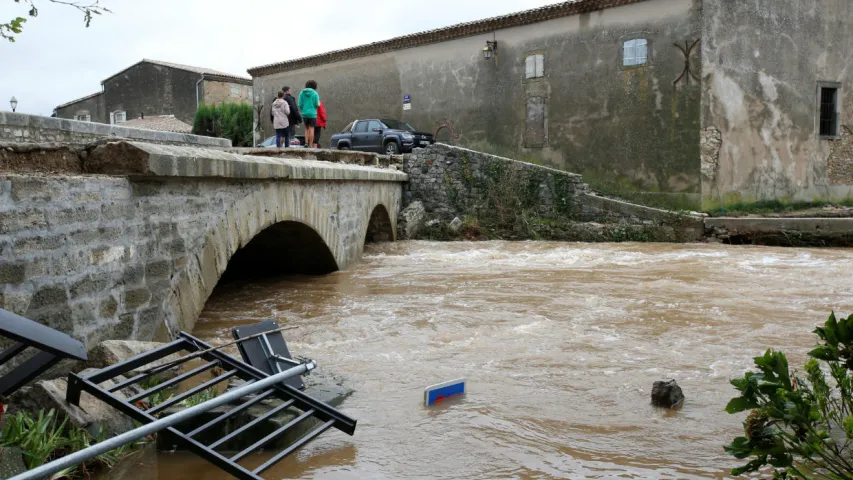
pixel 127 240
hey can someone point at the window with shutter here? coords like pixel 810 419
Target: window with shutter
pixel 635 52
pixel 534 66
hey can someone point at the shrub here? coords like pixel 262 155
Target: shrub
pixel 801 428
pixel 233 121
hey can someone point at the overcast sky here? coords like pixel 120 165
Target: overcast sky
pixel 56 59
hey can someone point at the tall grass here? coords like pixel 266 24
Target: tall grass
pixel 44 438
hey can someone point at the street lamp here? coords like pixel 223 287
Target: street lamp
pixel 14 103
pixel 490 50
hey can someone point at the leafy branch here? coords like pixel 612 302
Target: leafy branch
pixel 802 428
pixel 15 26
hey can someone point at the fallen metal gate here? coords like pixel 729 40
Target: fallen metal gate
pixel 52 345
pixel 293 398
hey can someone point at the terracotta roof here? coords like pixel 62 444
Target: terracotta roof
pixel 162 123
pixel 72 102
pixel 187 68
pixel 461 30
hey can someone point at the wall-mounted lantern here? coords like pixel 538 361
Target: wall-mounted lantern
pixel 14 103
pixel 490 50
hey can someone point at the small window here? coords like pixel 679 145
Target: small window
pixel 636 52
pixel 119 117
pixel 83 118
pixel 534 66
pixel 361 127
pixel 829 112
pixel 235 90
pixel 374 126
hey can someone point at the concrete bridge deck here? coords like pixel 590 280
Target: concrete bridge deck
pixel 128 240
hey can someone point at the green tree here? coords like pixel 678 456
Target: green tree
pixel 15 26
pixel 800 427
pixel 230 120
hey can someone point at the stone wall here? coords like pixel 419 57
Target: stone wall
pixel 453 181
pixel 133 249
pixel 19 127
pixel 456 182
pixel 841 159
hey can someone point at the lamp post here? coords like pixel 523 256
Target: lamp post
pixel 14 103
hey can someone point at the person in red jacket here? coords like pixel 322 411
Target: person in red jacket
pixel 321 124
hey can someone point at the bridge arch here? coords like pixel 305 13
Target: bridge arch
pixel 281 229
pixel 379 227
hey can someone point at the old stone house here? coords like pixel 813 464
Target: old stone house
pixel 682 103
pixel 151 88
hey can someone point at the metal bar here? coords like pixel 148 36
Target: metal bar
pixel 149 373
pixel 134 363
pixel 81 456
pixel 229 413
pixel 172 382
pixel 260 443
pixel 299 443
pixel 303 402
pixel 44 338
pixel 250 424
pixel 265 345
pixel 193 445
pixel 189 393
pixel 11 352
pixel 22 374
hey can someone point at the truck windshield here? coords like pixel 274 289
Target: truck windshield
pixel 348 128
pixel 398 125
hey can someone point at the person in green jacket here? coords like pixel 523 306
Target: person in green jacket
pixel 309 101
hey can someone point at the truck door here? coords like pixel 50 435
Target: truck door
pixel 375 131
pixel 359 135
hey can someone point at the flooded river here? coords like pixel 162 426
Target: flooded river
pixel 560 344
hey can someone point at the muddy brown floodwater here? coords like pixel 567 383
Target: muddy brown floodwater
pixel 560 344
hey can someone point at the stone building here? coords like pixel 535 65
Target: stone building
pixel 152 88
pixel 680 103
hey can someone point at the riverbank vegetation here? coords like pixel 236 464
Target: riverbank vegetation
pixel 800 425
pixel 42 438
pixel 781 208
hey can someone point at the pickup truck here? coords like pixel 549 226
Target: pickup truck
pixel 387 136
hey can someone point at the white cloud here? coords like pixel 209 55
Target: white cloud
pixel 56 59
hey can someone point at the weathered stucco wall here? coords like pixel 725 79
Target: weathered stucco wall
pixel 112 255
pixel 626 129
pixel 19 127
pixel 93 106
pixel 217 92
pixel 762 62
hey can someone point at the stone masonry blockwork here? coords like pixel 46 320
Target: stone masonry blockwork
pixel 120 256
pixel 19 127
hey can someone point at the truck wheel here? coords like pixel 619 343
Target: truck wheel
pixel 391 148
pixel 343 146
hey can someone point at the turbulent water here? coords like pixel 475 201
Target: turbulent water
pixel 560 344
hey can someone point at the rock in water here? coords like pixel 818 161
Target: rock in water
pixel 455 225
pixel 411 221
pixel 667 395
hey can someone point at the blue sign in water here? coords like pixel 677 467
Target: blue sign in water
pixel 407 98
pixel 443 391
